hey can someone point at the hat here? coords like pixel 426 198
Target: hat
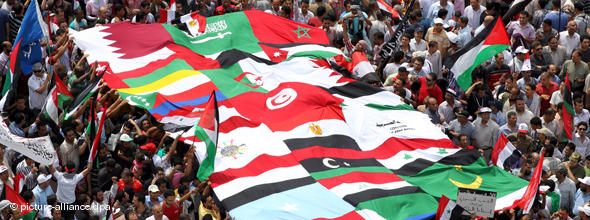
pixel 462 113
pixel 485 110
pixel 3 168
pixel 585 209
pixel 521 49
pixel 43 178
pixel 353 7
pixel 151 147
pixel 153 188
pixel 125 138
pixel 522 127
pixel 452 92
pixel 419 28
pixel 453 38
pixel 364 43
pixel 576 156
pixel 4 204
pixel 438 21
pixel 586 180
pixel 545 131
pixel 526 66
pixel 37 66
pixel 449 24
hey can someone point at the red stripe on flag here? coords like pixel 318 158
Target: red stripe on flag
pixel 500 144
pixel 98 134
pixel 567 116
pixel 14 57
pixel 526 202
pixel 358 176
pixel 348 216
pixel 442 205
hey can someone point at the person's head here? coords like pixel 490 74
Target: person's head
pixel 432 47
pixel 145 7
pixel 321 11
pixel 304 6
pixel 70 136
pixel 523 19
pixel 43 180
pixel 438 25
pixel 572 27
pixel 499 59
pixel 487 20
pixel 553 43
pixel 585 41
pixel 140 17
pixel 138 199
pixel 530 90
pixel 6 47
pixel 157 211
pixel 463 140
pixel 545 79
pixel 431 79
pixel 55 213
pixel 462 116
pixel 432 104
pixel 484 114
pixel 18 9
pixel 127 176
pixel 418 64
pixel 28 196
pixel 553 69
pixel 169 197
pixel 450 95
pixel 406 40
pixel 207 201
pixel 442 13
pixel 582 127
pixel 576 55
pixel 378 38
pixel 575 159
pixel 97 194
pixel 119 10
pixel 276 5
pixel 418 33
pixel 79 14
pixel 474 4
pixel 285 12
pixel 398 57
pixel 549 115
pixel 578 105
pixel 546 26
pixel 569 148
pixel 520 104
pixel 511 118
pixel 556 4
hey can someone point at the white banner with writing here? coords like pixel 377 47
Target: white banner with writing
pixel 39 149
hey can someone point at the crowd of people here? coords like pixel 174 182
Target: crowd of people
pixel 141 172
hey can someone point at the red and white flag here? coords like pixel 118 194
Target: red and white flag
pixel 385 7
pixel 195 23
pixel 505 153
pixel 96 142
pixel 167 15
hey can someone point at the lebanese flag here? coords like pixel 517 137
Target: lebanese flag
pixel 207 130
pixel 489 42
pixel 195 23
pixel 385 7
pixel 527 200
pixel 167 15
pixel 505 153
pixel 58 95
pixel 448 209
pixel 568 109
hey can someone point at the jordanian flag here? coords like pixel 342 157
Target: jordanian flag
pixel 568 109
pixel 489 42
pixel 207 131
pixel 57 96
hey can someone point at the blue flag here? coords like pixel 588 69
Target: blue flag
pixel 32 29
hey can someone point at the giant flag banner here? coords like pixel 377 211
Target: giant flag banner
pixel 296 139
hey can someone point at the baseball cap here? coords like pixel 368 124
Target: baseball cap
pixel 521 49
pixel 545 131
pixel 3 169
pixel 125 138
pixel 585 209
pixel 43 178
pixel 37 66
pixel 4 204
pixel 576 156
pixel 586 180
pixel 462 113
pixel 485 110
pixel 453 38
pixel 151 147
pixel 438 21
pixel 153 188
pixel 522 127
pixel 353 7
pixel 419 28
pixel 452 92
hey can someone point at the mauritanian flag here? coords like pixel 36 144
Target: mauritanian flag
pixel 57 96
pixel 568 109
pixel 207 131
pixel 489 42
pixel 195 23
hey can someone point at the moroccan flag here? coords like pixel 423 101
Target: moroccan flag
pixel 207 131
pixel 88 92
pixel 57 96
pixel 448 209
pixel 195 23
pixel 167 15
pixel 387 9
pixel 13 196
pixel 505 155
pixel 568 109
pixel 489 42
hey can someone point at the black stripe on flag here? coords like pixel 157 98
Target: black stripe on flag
pixel 332 141
pixel 452 59
pixel 330 163
pixel 292 45
pixel 230 57
pixel 354 89
pixel 370 194
pixel 462 157
pixel 260 191
pixel 512 159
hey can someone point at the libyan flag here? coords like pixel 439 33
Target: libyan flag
pixel 489 42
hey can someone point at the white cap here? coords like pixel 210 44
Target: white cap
pixel 438 21
pixel 485 110
pixel 153 188
pixel 526 66
pixel 43 178
pixel 4 204
pixel 453 37
pixel 522 127
pixel 586 180
pixel 3 168
pixel 125 138
pixel 521 49
pixel 585 209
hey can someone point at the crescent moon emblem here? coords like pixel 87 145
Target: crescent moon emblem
pixel 326 162
pixel 474 185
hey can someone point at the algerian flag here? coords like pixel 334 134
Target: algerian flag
pixel 489 42
pixel 58 95
pixel 207 131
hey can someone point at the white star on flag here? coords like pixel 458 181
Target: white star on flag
pixel 289 207
pixel 277 54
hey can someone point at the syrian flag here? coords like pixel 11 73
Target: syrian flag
pixel 527 200
pixel 195 23
pixel 84 96
pixel 96 142
pixel 388 9
pixel 19 182
pixel 568 109
pixel 58 95
pixel 489 42
pixel 505 153
pixel 448 209
pixel 167 15
pixel 207 131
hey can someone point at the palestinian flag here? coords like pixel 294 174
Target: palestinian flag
pixel 96 141
pixel 195 23
pixel 505 155
pixel 167 15
pixel 388 9
pixel 207 131
pixel 527 200
pixel 13 65
pixel 88 92
pixel 448 209
pixel 515 8
pixel 489 42
pixel 568 109
pixel 13 196
pixel 57 96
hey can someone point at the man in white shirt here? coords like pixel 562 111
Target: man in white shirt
pixel 433 55
pixel 66 182
pixel 38 84
pixel 570 38
pixel 473 13
pixel 435 7
pixel 301 14
pixel 582 114
pixel 417 43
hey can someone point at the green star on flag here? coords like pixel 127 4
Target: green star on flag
pixel 442 151
pixel 302 32
pixel 407 157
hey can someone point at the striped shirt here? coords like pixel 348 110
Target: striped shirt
pixel 30 177
pixel 14 26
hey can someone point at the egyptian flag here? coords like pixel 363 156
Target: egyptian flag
pixel 448 209
pixel 387 8
pixel 195 23
pixel 568 109
pixel 505 155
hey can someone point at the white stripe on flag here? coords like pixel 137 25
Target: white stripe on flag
pixel 350 188
pixel 506 152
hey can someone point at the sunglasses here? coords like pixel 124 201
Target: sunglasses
pixel 427 79
pixel 582 129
